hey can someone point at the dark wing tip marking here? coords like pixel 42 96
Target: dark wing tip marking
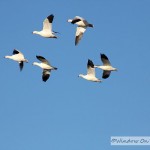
pixel 50 18
pixel 15 52
pixel 106 74
pixel 76 40
pixel 39 57
pixel 90 63
pixel 21 65
pixel 45 77
pixel 75 20
pixel 104 56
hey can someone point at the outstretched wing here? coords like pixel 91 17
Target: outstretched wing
pixel 106 74
pixel 21 65
pixel 47 24
pixel 45 75
pixel 76 19
pixel 90 68
pixel 42 59
pixel 15 52
pixel 105 60
pixel 79 34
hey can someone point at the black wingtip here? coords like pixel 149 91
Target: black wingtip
pixel 105 76
pixel 90 63
pixel 15 51
pixel 75 21
pixel 50 18
pixel 21 65
pixel 76 43
pixel 104 56
pixel 39 57
pixel 45 77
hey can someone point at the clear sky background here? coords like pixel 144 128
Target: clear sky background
pixel 67 112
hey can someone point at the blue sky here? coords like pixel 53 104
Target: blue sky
pixel 67 112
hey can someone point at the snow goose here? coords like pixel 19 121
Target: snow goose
pixel 19 57
pixel 47 28
pixel 82 25
pixel 45 65
pixel 90 72
pixel 106 67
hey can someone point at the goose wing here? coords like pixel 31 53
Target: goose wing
pixel 42 59
pixel 15 51
pixel 45 75
pixel 79 34
pixel 106 74
pixel 105 60
pixel 90 68
pixel 21 64
pixel 76 19
pixel 47 24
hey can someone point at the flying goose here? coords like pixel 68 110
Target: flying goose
pixel 19 57
pixel 106 67
pixel 90 72
pixel 47 28
pixel 82 25
pixel 45 65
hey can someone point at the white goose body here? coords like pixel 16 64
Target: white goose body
pixel 90 76
pixel 45 34
pixel 19 57
pixel 80 22
pixel 81 28
pixel 47 28
pixel 45 65
pixel 106 67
